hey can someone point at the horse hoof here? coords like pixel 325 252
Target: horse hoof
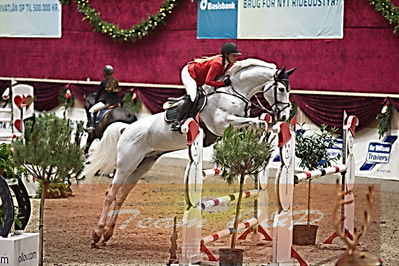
pixel 95 237
pixel 107 234
pixel 102 244
pixel 94 245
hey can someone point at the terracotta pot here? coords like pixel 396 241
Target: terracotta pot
pixel 304 234
pixel 231 257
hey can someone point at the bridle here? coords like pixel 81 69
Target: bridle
pixel 275 113
pixel 275 109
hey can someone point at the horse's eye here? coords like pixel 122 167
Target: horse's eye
pixel 281 89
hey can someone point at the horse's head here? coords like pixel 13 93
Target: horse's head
pixel 276 92
pixel 89 100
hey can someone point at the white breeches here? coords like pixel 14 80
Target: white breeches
pixel 189 83
pixel 97 107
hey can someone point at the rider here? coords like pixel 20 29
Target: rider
pixel 205 71
pixel 107 95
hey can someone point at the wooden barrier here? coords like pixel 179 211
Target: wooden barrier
pixel 192 242
pixel 285 179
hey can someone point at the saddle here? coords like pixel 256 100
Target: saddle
pixel 101 114
pixel 172 106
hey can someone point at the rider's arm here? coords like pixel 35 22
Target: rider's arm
pixel 100 91
pixel 215 70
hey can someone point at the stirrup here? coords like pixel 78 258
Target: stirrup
pixel 176 125
pixel 89 129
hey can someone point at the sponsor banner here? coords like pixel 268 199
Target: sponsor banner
pixel 377 157
pixel 380 158
pixel 271 19
pixel 374 158
pixel 217 19
pixel 30 18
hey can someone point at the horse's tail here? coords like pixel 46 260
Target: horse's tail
pixel 103 158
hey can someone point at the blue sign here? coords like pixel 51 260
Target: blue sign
pixel 378 153
pixel 217 19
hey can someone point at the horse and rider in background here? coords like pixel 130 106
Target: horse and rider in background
pixel 104 107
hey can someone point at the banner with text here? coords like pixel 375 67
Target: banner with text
pixel 377 157
pixel 217 20
pixel 270 19
pixel 30 18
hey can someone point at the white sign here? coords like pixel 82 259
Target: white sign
pixel 20 249
pixel 30 18
pixel 290 19
pixel 377 157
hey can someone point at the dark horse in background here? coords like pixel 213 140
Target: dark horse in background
pixel 105 118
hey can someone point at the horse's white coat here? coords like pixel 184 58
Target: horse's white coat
pixel 145 140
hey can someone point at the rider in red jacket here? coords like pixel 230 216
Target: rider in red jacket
pixel 205 71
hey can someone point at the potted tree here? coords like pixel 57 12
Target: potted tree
pixel 50 153
pixel 312 150
pixel 238 153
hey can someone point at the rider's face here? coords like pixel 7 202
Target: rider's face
pixel 232 58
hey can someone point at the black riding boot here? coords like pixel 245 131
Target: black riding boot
pixel 92 122
pixel 182 115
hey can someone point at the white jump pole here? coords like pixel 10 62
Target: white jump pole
pixel 347 177
pixel 193 179
pixel 347 170
pixel 192 243
pixel 282 250
pixel 282 233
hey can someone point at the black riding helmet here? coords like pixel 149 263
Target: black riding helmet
pixel 230 48
pixel 108 70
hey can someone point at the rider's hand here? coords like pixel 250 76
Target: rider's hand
pixel 227 81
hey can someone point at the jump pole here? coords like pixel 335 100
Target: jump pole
pixel 347 170
pixel 282 249
pixel 192 243
pixel 282 234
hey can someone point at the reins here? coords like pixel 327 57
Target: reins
pixel 259 105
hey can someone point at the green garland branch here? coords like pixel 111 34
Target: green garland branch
pixel 389 11
pixel 135 32
pixel 384 120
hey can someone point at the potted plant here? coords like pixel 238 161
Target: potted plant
pixel 238 153
pixel 312 150
pixel 49 152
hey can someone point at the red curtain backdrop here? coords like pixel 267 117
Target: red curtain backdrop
pixel 329 110
pixel 364 61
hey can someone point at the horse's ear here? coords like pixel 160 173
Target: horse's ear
pixel 289 72
pixel 281 73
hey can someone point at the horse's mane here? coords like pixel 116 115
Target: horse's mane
pixel 247 63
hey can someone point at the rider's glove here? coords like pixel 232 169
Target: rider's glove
pixel 227 81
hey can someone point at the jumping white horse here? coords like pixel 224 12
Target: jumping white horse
pixel 141 143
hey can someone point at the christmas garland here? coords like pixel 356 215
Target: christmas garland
pixel 131 101
pixel 135 32
pixel 389 11
pixel 384 119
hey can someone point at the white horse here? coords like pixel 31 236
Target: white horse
pixel 141 143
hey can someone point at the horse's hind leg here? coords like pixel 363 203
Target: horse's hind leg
pixel 122 194
pixel 108 199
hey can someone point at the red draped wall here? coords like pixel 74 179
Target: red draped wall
pixel 365 60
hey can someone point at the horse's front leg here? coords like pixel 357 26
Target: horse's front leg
pixel 239 122
pixel 110 195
